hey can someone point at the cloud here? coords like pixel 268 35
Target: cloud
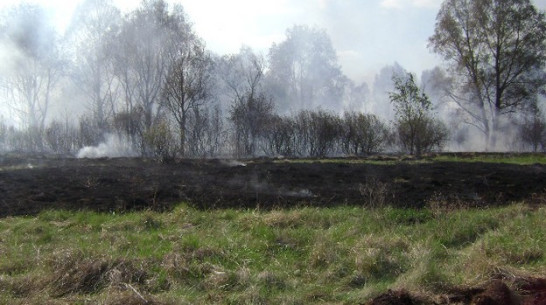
pixel 395 4
pixel 400 4
pixel 257 23
pixel 427 3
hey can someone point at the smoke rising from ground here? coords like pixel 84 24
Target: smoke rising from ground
pixel 113 147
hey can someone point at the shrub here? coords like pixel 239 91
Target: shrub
pixel 418 131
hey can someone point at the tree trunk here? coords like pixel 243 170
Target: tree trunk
pixel 182 127
pixel 494 129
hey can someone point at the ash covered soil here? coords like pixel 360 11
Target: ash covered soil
pixel 31 184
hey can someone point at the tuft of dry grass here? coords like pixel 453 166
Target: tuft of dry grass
pixel 375 193
pixel 76 274
pixel 131 296
pixel 284 219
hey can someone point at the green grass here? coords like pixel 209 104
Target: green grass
pixel 507 158
pixel 362 160
pixel 343 255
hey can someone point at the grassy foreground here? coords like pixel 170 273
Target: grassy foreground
pixel 343 255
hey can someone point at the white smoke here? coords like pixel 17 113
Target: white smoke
pixel 113 147
pixel 232 163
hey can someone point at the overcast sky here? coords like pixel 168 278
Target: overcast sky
pixel 367 34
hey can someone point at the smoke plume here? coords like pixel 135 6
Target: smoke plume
pixel 113 147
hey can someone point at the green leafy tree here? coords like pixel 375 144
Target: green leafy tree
pixel 418 131
pixel 497 51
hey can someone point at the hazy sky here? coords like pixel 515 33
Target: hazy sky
pixel 367 34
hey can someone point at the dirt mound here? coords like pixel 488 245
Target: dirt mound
pixel 514 291
pixel 30 185
pixel 391 297
pixel 532 290
pixel 524 291
pixel 495 293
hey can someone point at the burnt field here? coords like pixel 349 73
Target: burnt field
pixel 33 184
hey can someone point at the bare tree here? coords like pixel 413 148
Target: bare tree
pixel 61 137
pixel 251 108
pixel 146 60
pixel 302 133
pixel 3 135
pixel 187 87
pixel 497 49
pixel 96 22
pixel 206 134
pixel 316 133
pixel 250 115
pixel 148 44
pixel 280 136
pixel 324 129
pixel 362 134
pixel 242 73
pixel 217 134
pixel 35 68
pixel 533 132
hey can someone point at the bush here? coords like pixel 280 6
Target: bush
pixel 160 141
pixel 418 131
pixel 417 136
pixel 363 134
pixel 533 133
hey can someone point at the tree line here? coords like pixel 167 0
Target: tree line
pixel 147 78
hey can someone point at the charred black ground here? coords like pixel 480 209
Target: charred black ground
pixel 31 184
